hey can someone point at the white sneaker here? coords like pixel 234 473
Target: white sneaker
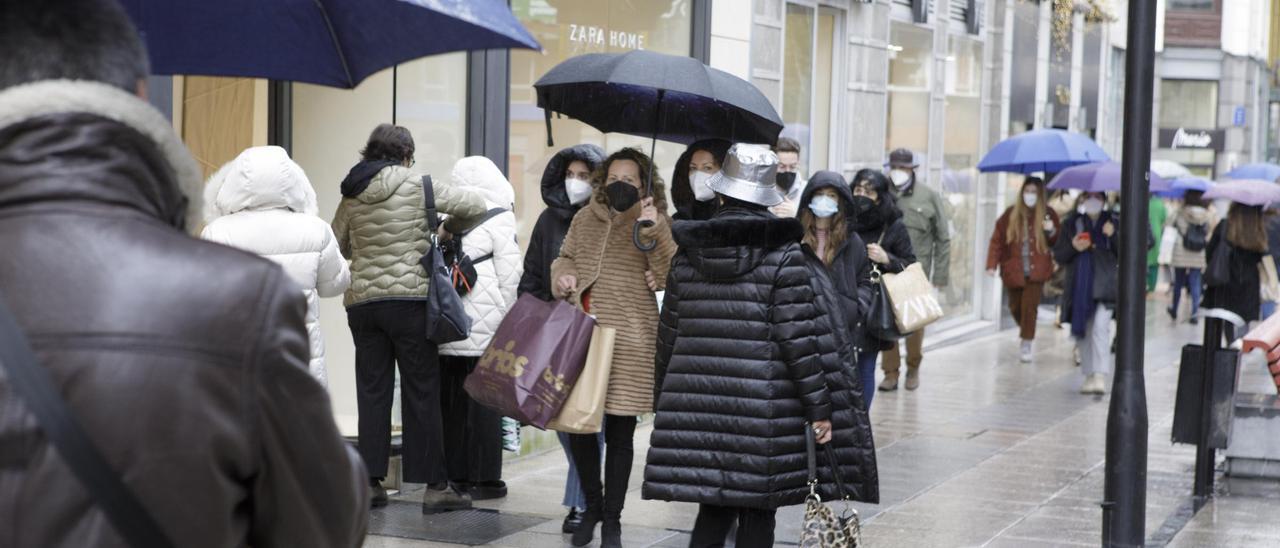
pixel 1094 384
pixel 1025 355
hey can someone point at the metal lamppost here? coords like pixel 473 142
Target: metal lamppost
pixel 1125 492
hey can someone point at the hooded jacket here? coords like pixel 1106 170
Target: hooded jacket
pixel 184 361
pixel 553 223
pixel 262 202
pixel 884 226
pixel 382 230
pixel 496 277
pixel 745 359
pixel 850 269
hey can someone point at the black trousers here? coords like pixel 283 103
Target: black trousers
pixel 607 497
pixel 472 432
pixel 388 333
pixel 755 526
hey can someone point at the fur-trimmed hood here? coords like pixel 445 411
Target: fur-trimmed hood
pixel 735 241
pixel 37 100
pixel 259 178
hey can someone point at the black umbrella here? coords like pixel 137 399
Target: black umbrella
pixel 656 95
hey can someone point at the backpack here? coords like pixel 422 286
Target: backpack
pixel 1195 238
pixel 462 268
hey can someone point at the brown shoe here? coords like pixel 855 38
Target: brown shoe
pixel 913 378
pixel 890 382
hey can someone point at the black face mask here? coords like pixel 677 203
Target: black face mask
pixel 622 196
pixel 786 180
pixel 866 213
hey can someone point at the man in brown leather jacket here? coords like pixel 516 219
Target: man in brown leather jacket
pixel 184 361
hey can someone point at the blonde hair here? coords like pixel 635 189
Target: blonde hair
pixel 1017 230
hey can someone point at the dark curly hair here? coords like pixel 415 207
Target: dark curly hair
pixel 388 143
pixel 681 192
pixel 641 159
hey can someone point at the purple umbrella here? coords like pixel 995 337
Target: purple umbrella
pixel 1179 187
pixel 1099 177
pixel 1252 192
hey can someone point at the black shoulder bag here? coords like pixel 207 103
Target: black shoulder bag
pixel 447 320
pixel 35 387
pixel 462 268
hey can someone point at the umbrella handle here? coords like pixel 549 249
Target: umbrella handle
pixel 635 236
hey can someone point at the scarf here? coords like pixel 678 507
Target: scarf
pixel 1083 305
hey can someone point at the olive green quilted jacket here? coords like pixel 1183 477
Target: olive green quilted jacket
pixel 382 231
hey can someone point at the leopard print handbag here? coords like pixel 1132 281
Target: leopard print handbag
pixel 823 528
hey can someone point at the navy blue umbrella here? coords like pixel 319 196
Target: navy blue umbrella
pixel 656 95
pixel 334 43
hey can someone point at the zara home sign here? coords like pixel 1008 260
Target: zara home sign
pixel 1197 139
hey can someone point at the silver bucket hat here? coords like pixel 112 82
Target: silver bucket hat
pixel 748 174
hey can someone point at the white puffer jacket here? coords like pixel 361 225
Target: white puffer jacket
pixel 262 202
pixel 496 279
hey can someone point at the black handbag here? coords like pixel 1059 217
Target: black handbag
pixel 447 319
pixel 34 386
pixel 882 324
pixel 1217 272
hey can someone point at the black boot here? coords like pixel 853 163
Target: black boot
pixel 617 475
pixel 611 534
pixel 586 531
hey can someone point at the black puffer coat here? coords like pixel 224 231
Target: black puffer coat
pixel 553 223
pixel 850 269
pixel 884 225
pixel 745 359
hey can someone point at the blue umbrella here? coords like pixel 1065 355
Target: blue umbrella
pixel 1047 150
pixel 1179 187
pixel 1099 177
pixel 1262 171
pixel 334 43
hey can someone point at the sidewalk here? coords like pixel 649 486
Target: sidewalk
pixel 989 452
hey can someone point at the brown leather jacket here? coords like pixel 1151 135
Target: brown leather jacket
pixel 185 361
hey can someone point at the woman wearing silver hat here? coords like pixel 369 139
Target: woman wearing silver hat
pixel 601 270
pixel 747 361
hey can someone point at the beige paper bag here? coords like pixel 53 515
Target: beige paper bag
pixel 1270 282
pixel 583 411
pixel 911 294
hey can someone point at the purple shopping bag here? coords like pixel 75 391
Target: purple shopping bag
pixel 533 360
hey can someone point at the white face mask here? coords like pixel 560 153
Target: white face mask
pixel 577 189
pixel 698 182
pixel 899 177
pixel 1092 207
pixel 1030 199
pixel 824 206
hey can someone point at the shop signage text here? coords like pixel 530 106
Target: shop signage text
pixel 597 36
pixel 1203 139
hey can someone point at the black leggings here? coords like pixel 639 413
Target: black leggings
pixel 755 526
pixel 606 497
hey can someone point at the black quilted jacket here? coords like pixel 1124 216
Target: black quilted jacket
pixel 745 358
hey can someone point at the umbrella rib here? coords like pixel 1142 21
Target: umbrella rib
pixel 333 35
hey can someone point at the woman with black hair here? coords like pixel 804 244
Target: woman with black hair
pixel 694 200
pixel 878 222
pixel 381 228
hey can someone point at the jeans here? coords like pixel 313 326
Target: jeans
pixel 472 432
pixel 606 498
pixel 1095 347
pixel 867 374
pixel 1268 308
pixel 388 334
pixel 573 497
pixel 755 526
pixel 1189 279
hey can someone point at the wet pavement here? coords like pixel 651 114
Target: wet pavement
pixel 988 452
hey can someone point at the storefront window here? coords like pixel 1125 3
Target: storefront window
pixel 807 79
pixel 566 28
pixel 330 127
pixel 1188 103
pixel 910 62
pixel 797 77
pixel 961 153
pixel 1022 72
